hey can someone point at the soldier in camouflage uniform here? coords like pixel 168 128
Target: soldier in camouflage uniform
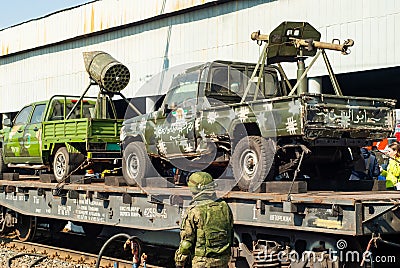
pixel 207 229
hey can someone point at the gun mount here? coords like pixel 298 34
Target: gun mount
pixel 294 42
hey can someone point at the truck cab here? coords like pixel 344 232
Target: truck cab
pixel 22 137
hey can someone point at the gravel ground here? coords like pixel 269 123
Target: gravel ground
pixel 26 261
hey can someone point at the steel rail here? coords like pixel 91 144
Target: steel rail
pixel 69 255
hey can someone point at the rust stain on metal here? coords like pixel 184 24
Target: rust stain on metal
pixel 177 6
pixel 92 20
pixel 4 50
pixel 84 24
pixel 318 200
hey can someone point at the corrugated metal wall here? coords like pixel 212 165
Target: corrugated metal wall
pixel 43 57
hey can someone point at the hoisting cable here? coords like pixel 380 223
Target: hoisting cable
pixel 60 184
pixel 130 239
pixel 374 240
pixel 294 177
pixel 388 156
pixel 42 257
pixel 305 150
pixel 35 262
pixel 380 240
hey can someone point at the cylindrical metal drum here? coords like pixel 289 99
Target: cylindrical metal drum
pixel 106 71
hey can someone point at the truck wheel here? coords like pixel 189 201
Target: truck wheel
pixel 61 164
pixel 136 164
pixel 252 159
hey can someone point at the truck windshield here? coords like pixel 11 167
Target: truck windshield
pixel 38 113
pixel 22 117
pixel 228 83
pixel 184 87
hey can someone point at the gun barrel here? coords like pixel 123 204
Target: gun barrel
pixel 106 71
pixel 259 37
pixel 323 45
pixel 298 42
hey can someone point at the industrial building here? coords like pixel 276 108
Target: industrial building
pixel 43 57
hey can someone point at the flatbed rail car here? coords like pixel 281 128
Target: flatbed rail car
pixel 310 221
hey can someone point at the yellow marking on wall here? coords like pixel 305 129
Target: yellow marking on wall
pixel 330 224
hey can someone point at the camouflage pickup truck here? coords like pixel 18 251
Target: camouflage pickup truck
pixel 68 133
pixel 40 136
pixel 251 118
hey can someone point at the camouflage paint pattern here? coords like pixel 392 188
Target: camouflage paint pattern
pixel 308 116
pixel 206 234
pixel 23 140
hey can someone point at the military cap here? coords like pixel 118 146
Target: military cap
pixel 199 181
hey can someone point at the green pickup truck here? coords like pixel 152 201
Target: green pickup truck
pixel 251 118
pixel 60 135
pixel 69 133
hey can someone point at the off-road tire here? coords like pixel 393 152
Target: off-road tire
pixel 136 164
pixel 251 161
pixel 61 164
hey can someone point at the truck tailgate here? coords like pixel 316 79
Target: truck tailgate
pixel 82 129
pixel 352 117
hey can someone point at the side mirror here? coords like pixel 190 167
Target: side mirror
pixel 235 87
pixel 7 122
pixel 163 109
pixel 166 109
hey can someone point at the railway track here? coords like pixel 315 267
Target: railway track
pixel 30 255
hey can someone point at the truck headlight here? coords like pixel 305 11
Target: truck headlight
pixel 122 134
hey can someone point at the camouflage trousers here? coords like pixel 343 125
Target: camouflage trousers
pixel 203 262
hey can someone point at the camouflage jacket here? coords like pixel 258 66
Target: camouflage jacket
pixel 206 233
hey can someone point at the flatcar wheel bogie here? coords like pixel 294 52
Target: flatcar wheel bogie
pixel 25 228
pixel 91 229
pixel 56 226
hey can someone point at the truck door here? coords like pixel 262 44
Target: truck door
pixel 33 135
pixel 176 132
pixel 14 150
